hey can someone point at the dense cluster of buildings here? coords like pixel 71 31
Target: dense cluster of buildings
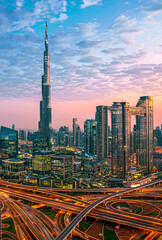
pixel 107 140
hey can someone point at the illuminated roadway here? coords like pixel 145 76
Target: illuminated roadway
pixel 64 234
pixel 100 213
pixel 110 216
pixel 142 222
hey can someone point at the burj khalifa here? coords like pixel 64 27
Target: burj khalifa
pixel 45 126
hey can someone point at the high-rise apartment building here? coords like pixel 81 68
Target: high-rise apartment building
pixel 22 134
pixel 75 124
pixel 157 134
pixel 78 136
pixel 63 136
pixel 45 126
pixel 142 136
pixel 144 130
pixel 102 132
pixel 90 136
pixel 116 130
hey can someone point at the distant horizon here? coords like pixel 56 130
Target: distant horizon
pixel 80 120
pixel 100 52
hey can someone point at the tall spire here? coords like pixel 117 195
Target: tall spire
pixel 45 126
pixel 46 32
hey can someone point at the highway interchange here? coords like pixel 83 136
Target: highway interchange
pixel 30 223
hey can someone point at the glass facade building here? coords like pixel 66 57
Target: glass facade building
pixel 90 136
pixel 61 167
pixel 41 163
pixel 40 142
pixel 116 130
pixel 121 145
pixel 13 166
pixel 144 135
pixel 8 143
pixel 102 132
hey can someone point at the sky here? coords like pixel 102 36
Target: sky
pixel 101 51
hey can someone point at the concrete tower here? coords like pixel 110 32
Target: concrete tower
pixel 45 126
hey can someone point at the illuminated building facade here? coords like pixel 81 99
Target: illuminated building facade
pixel 45 126
pixel 41 163
pixel 116 129
pixel 90 136
pixel 62 167
pixel 8 143
pixel 121 114
pixel 78 136
pixel 102 132
pixel 74 131
pixel 63 136
pixel 13 166
pixel 144 133
pixel 157 134
pixel 39 142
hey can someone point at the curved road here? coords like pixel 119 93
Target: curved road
pixel 64 234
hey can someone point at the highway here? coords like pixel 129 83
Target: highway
pixel 65 233
pixel 100 213
pixel 73 205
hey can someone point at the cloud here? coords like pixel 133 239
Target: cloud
pixel 61 18
pixel 57 6
pixel 89 59
pixel 19 3
pixel 24 19
pixel 88 29
pixel 126 29
pixel 88 44
pixel 112 50
pixel 153 6
pixel 87 3
pixel 86 60
pixel 122 22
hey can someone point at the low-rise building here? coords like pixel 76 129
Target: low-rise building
pixel 41 163
pixel 62 167
pixel 13 166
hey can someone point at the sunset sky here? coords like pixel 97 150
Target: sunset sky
pixel 101 51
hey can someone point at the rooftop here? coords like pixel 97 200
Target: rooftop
pixel 13 160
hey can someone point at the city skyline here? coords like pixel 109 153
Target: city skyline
pixel 93 61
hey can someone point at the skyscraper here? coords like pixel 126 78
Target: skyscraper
pixel 90 136
pixel 78 136
pixel 102 132
pixel 144 130
pixel 116 128
pixel 121 113
pixel 45 126
pixel 74 131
